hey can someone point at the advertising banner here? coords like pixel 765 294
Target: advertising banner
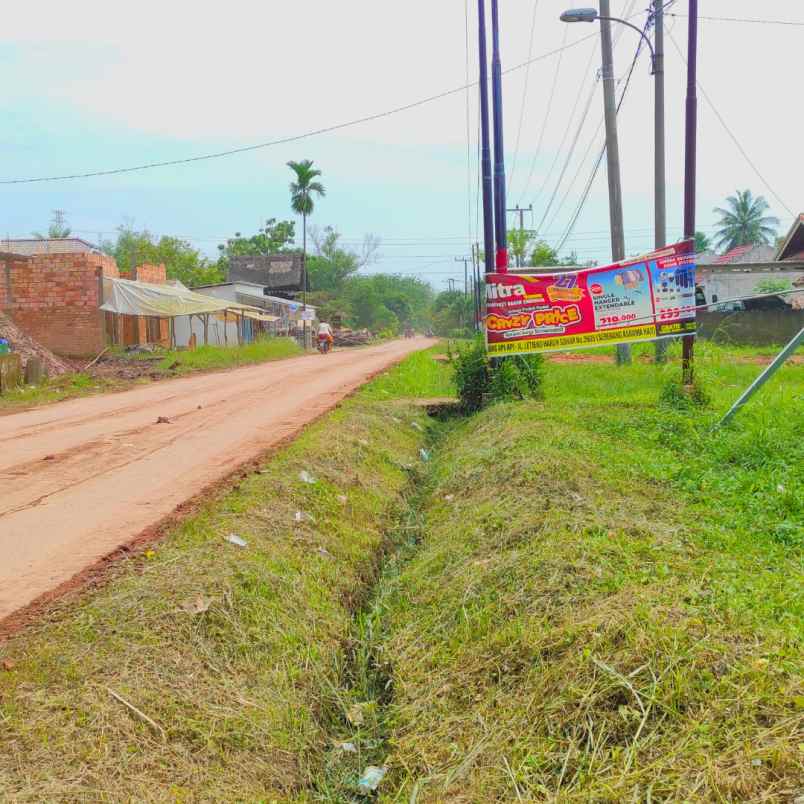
pixel 643 299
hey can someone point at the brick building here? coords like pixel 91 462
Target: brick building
pixel 55 299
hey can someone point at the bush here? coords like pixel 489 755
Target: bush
pixel 480 380
pixel 678 396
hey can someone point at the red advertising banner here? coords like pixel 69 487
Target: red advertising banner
pixel 643 299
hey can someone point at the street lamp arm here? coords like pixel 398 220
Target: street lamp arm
pixel 642 34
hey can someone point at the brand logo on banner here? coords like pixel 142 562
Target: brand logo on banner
pixel 637 300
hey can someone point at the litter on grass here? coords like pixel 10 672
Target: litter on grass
pixel 198 605
pixel 301 516
pixel 425 454
pixel 233 538
pixel 370 780
pixel 348 748
pixel 306 477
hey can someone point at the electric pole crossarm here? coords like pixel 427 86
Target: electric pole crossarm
pixel 645 39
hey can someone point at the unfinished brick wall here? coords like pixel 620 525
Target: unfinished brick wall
pixel 133 331
pixel 54 298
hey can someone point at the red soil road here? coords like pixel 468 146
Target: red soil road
pixel 81 478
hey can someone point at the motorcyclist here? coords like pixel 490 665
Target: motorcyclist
pixel 325 337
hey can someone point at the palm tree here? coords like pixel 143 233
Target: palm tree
pixel 301 200
pixel 744 222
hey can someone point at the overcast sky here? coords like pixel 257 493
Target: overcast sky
pixel 91 87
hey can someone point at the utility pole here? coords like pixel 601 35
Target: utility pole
pixel 485 141
pixel 521 212
pixel 465 261
pixel 612 154
pixel 690 151
pixel 660 202
pixel 501 257
pixel 477 273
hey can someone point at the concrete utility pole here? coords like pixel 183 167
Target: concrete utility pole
pixel 660 201
pixel 690 165
pixel 465 261
pixel 612 154
pixel 500 223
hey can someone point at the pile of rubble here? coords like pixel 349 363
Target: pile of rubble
pixel 351 337
pixel 26 347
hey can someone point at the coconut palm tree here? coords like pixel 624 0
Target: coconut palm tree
pixel 744 222
pixel 302 191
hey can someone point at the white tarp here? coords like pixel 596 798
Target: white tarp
pixel 127 297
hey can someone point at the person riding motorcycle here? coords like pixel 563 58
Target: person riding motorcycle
pixel 325 337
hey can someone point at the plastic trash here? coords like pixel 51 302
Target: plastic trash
pixel 306 477
pixel 233 538
pixel 425 454
pixel 348 748
pixel 198 605
pixel 370 780
pixel 301 516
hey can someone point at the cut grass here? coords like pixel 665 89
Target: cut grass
pixel 606 602
pixel 204 358
pixel 207 358
pixel 235 703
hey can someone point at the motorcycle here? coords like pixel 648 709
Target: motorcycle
pixel 324 345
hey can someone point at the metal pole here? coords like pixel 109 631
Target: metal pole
pixel 501 257
pixel 485 141
pixel 690 151
pixel 764 377
pixel 659 180
pixel 612 155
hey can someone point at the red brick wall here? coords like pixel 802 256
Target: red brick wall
pixel 55 299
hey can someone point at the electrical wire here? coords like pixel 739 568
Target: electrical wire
pixel 524 97
pixel 546 117
pixel 570 153
pixel 294 138
pixel 585 194
pixel 741 19
pixel 730 132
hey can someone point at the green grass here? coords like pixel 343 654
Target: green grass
pixel 66 386
pixel 207 358
pixel 417 376
pixel 204 358
pixel 244 697
pixel 605 603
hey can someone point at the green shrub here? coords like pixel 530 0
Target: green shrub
pixel 678 396
pixel 479 379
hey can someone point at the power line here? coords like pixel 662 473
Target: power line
pixel 585 194
pixel 731 133
pixel 546 117
pixel 741 19
pixel 295 138
pixel 524 97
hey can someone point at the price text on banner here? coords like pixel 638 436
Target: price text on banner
pixel 636 300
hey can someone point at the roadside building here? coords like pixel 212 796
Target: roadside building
pixel 280 316
pixel 744 271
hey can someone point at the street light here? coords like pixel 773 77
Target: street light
pixel 591 15
pixel 657 71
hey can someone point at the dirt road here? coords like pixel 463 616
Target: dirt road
pixel 81 478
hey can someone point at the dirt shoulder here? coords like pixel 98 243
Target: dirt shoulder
pixel 90 475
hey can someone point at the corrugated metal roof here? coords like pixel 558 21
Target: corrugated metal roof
pixel 32 247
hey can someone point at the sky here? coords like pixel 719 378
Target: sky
pixel 89 89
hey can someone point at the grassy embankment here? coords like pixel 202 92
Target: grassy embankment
pixel 591 598
pixel 238 702
pixel 605 603
pixel 204 358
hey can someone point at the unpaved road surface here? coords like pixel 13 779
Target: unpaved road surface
pixel 79 479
